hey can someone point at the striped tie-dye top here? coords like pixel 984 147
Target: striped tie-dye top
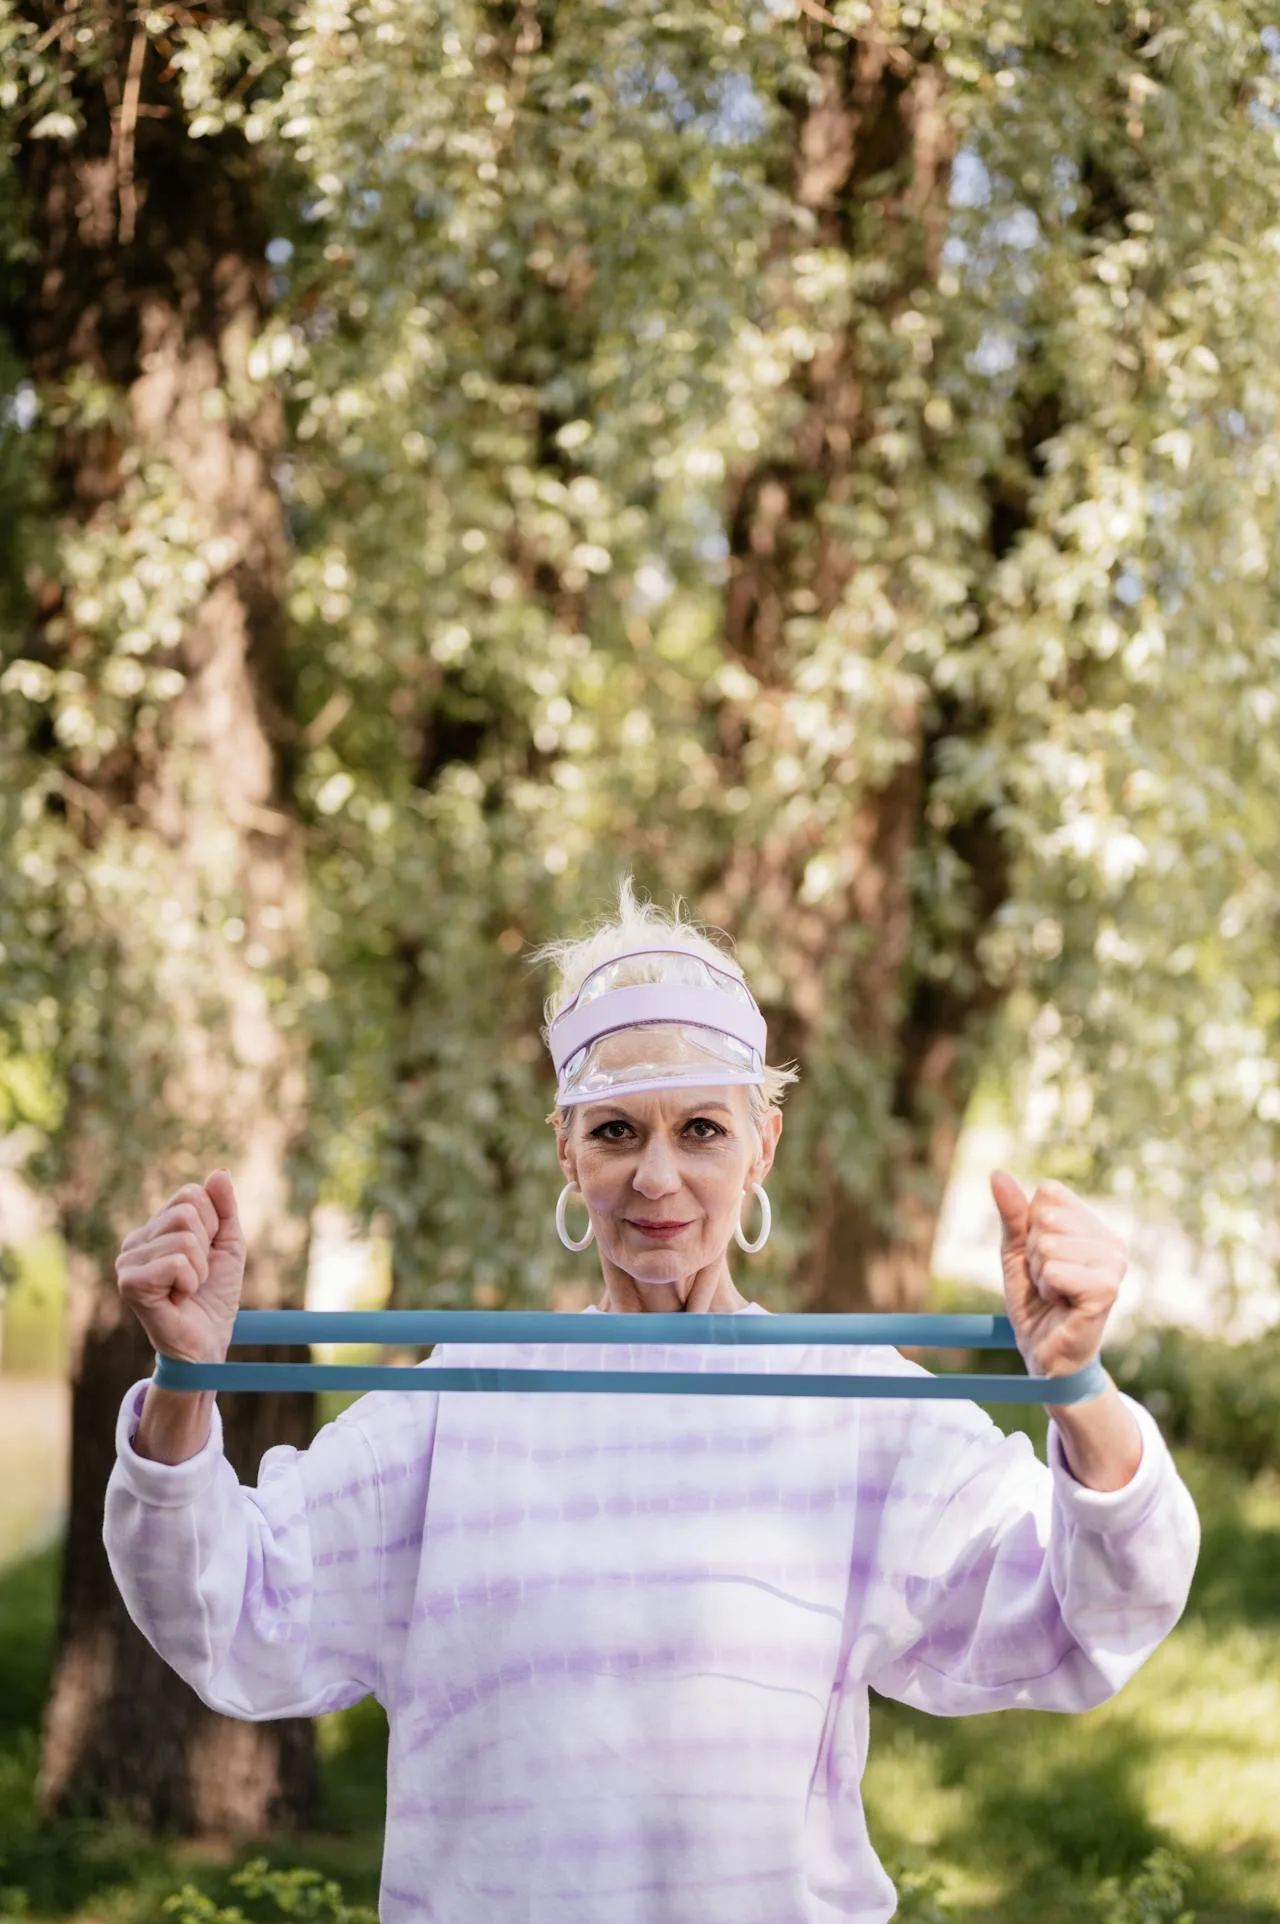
pixel 624 1643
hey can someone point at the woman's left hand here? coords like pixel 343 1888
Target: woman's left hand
pixel 1062 1272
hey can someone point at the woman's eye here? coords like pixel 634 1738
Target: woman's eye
pixel 700 1127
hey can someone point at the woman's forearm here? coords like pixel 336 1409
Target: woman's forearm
pixel 174 1424
pixel 1100 1440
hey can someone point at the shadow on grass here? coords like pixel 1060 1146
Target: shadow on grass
pixel 1040 1802
pixel 1238 1576
pixel 1037 1809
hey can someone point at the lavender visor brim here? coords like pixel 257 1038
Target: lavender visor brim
pixel 647 1002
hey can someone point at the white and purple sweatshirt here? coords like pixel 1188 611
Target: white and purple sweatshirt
pixel 624 1643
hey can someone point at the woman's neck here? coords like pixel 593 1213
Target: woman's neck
pixel 709 1291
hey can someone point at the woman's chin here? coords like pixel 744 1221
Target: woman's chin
pixel 654 1274
pixel 651 1268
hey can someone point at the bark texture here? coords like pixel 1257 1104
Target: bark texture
pixel 150 279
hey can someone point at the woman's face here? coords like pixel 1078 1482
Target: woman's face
pixel 663 1175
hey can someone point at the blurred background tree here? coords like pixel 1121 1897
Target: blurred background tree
pixel 822 460
pixel 154 909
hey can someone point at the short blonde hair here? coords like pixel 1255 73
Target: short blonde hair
pixel 639 925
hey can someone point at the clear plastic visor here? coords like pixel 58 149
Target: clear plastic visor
pixel 657 1055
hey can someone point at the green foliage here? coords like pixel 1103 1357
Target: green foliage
pixel 1223 1398
pixel 27 1095
pixel 298 1893
pixel 1154 1896
pixel 921 1898
pixel 33 1308
pixel 548 302
pixel 567 727
pixel 562 716
pixel 105 926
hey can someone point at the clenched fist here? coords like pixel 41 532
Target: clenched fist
pixel 1062 1272
pixel 182 1273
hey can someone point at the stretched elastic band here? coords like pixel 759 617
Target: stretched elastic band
pixel 298 1328
pixel 353 1376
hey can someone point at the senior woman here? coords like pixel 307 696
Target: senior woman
pixel 625 1643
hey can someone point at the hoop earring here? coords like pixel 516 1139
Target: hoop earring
pixel 562 1227
pixel 766 1223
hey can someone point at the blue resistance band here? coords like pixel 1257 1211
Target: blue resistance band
pixel 300 1327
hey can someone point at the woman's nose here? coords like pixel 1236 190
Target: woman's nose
pixel 656 1173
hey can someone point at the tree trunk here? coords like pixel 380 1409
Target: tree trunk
pixel 873 137
pixel 876 1258
pixel 151 280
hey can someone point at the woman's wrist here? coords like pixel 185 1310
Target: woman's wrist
pixel 1100 1440
pixel 174 1425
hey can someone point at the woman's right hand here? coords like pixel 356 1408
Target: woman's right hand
pixel 182 1273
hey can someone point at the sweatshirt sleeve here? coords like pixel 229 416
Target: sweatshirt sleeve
pixel 266 1600
pixel 1020 1587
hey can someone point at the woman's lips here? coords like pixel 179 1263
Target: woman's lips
pixel 658 1230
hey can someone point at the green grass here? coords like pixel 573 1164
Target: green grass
pixel 1017 1816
